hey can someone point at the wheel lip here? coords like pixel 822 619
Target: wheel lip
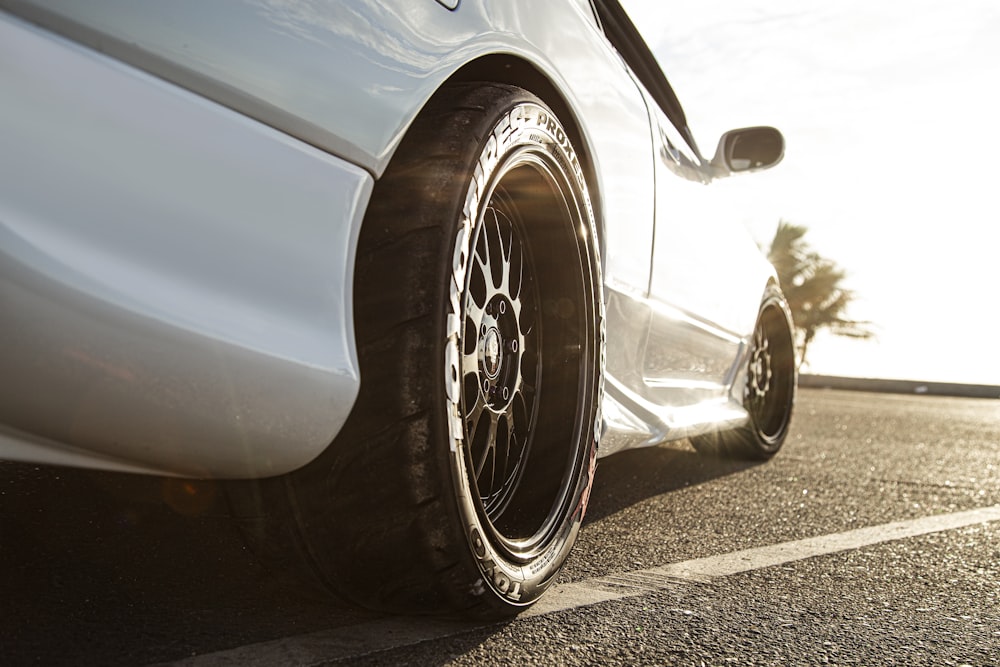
pixel 774 307
pixel 514 584
pixel 548 168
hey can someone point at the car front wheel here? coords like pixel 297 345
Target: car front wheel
pixel 769 389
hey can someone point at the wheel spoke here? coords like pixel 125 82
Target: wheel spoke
pixel 502 453
pixel 479 284
pixel 516 271
pixel 474 309
pixel 501 357
pixel 494 248
pixel 474 417
pixel 489 455
pixel 506 248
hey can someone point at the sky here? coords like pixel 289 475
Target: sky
pixel 891 116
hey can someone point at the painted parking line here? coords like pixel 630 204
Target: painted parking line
pixel 384 634
pixel 639 582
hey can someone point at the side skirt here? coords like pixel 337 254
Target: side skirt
pixel 669 375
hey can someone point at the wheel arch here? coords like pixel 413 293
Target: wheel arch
pixel 516 71
pixel 442 555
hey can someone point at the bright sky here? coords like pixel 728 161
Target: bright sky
pixel 891 114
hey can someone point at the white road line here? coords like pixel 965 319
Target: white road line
pixel 358 640
pixel 639 582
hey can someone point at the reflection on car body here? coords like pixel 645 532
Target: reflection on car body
pixel 396 272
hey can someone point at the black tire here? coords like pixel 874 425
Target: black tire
pixel 769 390
pixel 463 473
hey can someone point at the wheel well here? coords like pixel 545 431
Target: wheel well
pixel 515 71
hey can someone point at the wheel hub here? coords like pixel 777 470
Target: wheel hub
pixel 760 371
pixel 499 352
pixel 491 356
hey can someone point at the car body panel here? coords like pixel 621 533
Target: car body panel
pixel 350 77
pixel 178 273
pixel 675 358
pixel 681 275
pixel 252 131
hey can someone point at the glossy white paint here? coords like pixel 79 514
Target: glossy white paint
pixel 669 375
pixel 701 244
pixel 175 277
pixel 673 373
pixel 632 421
pixel 188 246
pixel 349 77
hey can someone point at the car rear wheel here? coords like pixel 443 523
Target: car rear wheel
pixel 462 476
pixel 769 390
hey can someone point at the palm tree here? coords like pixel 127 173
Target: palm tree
pixel 812 286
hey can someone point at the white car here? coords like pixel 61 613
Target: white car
pixel 395 271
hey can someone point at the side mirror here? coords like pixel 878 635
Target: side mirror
pixel 748 149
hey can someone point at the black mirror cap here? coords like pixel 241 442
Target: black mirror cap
pixel 749 149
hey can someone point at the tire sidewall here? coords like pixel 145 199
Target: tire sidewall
pixel 774 301
pixel 524 124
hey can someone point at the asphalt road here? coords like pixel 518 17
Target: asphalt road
pixel 698 562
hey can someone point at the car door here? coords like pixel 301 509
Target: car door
pixel 707 276
pixel 705 262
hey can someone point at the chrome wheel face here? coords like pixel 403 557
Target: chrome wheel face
pixel 770 384
pixel 528 353
pixel 759 374
pixel 527 375
pixel 523 353
pixel 501 355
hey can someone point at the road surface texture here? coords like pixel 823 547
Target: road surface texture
pixel 872 538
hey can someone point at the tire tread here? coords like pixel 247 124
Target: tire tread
pixel 358 483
